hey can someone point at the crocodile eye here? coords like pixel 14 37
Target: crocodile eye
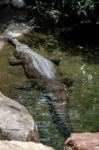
pixel 19 47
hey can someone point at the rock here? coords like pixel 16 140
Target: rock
pixel 4 2
pixel 83 141
pixel 13 30
pixel 16 145
pixel 15 3
pixel 18 3
pixel 15 121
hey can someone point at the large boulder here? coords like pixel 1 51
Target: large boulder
pixel 83 141
pixel 15 121
pixel 16 145
pixel 15 30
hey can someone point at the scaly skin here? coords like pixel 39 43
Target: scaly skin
pixel 36 66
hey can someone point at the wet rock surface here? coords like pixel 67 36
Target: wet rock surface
pixel 15 121
pixel 13 30
pixel 83 141
pixel 16 145
pixel 4 2
pixel 14 3
pixel 18 3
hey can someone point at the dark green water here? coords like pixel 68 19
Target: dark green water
pixel 82 69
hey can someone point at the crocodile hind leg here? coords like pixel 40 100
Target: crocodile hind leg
pixel 29 84
pixel 38 84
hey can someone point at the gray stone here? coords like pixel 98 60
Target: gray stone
pixel 15 121
pixel 13 30
pixel 15 3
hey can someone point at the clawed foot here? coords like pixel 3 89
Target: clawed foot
pixel 14 61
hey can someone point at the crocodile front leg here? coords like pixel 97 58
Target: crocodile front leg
pixel 14 61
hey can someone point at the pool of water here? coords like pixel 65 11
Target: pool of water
pixel 81 67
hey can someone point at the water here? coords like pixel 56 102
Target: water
pixel 79 64
pixel 82 66
pixel 32 100
pixel 84 94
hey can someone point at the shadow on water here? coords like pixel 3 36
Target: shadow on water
pixel 82 41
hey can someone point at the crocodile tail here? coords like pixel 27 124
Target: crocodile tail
pixel 60 118
pixel 58 107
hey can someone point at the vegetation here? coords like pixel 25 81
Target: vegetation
pixel 66 13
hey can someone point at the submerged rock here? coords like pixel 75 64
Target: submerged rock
pixel 14 30
pixel 18 3
pixel 16 145
pixel 15 3
pixel 83 141
pixel 4 2
pixel 15 121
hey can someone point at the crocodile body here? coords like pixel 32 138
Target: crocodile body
pixel 36 66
